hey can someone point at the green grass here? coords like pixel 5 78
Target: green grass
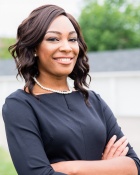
pixel 4 44
pixel 6 165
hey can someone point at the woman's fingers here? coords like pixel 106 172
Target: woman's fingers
pixel 120 148
pixel 115 149
pixel 109 146
pixel 125 151
pixel 116 146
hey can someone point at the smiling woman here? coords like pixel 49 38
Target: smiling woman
pixel 52 45
pixel 58 51
pixel 52 129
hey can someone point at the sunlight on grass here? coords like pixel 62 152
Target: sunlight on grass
pixel 6 165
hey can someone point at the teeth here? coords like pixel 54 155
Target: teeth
pixel 64 59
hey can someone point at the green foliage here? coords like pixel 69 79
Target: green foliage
pixel 6 165
pixel 112 25
pixel 4 45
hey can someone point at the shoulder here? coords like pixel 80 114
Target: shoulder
pixel 18 94
pixel 97 101
pixel 95 98
pixel 100 104
pixel 18 105
pixel 17 101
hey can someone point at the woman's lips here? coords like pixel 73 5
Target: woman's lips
pixel 63 60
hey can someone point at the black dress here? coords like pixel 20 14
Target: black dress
pixel 54 127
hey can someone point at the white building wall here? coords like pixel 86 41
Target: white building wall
pixel 121 91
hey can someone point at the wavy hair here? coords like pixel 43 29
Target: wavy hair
pixel 30 34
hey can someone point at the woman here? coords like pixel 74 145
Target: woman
pixel 52 128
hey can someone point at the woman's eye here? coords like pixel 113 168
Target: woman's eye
pixel 73 39
pixel 52 39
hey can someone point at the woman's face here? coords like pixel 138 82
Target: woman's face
pixel 59 49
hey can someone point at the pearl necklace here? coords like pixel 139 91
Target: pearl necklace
pixel 52 90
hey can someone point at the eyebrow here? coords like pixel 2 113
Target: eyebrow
pixel 60 32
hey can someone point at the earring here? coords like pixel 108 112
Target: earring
pixel 35 55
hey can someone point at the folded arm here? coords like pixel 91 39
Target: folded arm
pixel 114 162
pixel 116 166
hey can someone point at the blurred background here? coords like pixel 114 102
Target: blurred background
pixel 111 29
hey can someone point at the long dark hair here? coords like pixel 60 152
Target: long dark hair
pixel 31 32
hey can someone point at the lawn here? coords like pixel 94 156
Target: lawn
pixel 6 165
pixel 4 44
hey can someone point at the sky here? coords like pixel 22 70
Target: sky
pixel 13 12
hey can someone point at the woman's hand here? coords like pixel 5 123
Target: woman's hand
pixel 115 149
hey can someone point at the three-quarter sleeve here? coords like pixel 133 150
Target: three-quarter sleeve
pixel 114 129
pixel 24 139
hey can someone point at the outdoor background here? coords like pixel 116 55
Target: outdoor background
pixel 111 29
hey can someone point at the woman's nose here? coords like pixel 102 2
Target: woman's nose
pixel 65 47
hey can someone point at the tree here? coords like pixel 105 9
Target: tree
pixel 112 25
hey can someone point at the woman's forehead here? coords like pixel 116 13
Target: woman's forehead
pixel 61 23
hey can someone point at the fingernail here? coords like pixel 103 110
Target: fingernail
pixel 114 136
